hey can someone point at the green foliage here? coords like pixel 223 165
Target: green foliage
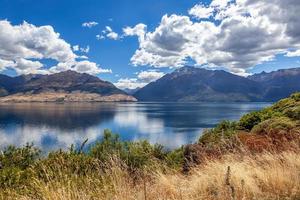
pixel 296 96
pixel 175 158
pixel 15 162
pixel 19 157
pixel 274 124
pixel 225 130
pixel 281 116
pixel 135 155
pixel 248 121
pixel 60 163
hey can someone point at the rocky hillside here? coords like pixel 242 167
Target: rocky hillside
pixel 63 86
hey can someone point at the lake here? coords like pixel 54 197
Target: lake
pixel 53 126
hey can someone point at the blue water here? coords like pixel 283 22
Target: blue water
pixel 56 126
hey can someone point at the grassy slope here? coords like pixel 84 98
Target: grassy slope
pixel 254 158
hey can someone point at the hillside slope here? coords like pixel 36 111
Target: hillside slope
pixel 63 86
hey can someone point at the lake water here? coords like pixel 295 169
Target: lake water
pixel 53 126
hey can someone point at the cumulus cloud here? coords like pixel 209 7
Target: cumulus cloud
pixel 200 11
pixel 24 47
pixel 142 79
pixel 293 53
pixel 139 30
pixel 108 33
pixel 240 34
pixel 129 83
pixel 83 66
pixel 149 76
pixel 89 24
pixel 81 49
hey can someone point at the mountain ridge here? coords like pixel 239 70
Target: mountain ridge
pixel 189 84
pixel 63 86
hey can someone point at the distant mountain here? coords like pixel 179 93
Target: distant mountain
pixel 278 84
pixel 63 86
pixel 196 84
pixel 189 84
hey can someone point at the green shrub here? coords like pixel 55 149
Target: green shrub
pixel 248 121
pixel 15 163
pixel 136 155
pixel 133 154
pixel 175 158
pixel 19 157
pixel 293 112
pixel 275 125
pixel 14 177
pixel 223 131
pixel 60 163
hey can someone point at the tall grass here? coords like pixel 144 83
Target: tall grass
pixel 262 176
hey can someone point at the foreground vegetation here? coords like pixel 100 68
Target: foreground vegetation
pixel 257 157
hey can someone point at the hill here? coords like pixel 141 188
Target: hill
pixel 63 86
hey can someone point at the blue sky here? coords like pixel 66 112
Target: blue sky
pixel 67 17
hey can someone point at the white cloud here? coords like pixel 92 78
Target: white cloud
pixel 81 49
pixel 129 83
pixel 139 30
pixel 241 34
pixel 100 37
pixel 143 78
pixel 24 66
pixel 6 63
pixel 89 24
pixel 201 12
pixel 89 67
pixel 24 47
pixel 108 33
pixel 79 66
pixel 149 76
pixel 293 53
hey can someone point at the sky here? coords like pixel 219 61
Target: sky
pixel 132 43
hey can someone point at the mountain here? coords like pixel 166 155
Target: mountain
pixel 189 84
pixel 278 84
pixel 63 86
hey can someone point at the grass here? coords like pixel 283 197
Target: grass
pixel 257 157
pixel 267 176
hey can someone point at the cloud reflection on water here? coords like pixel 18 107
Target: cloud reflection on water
pixel 53 126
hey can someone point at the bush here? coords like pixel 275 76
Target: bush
pixel 225 130
pixel 135 155
pixel 15 163
pixel 19 157
pixel 60 163
pixel 276 125
pixel 248 121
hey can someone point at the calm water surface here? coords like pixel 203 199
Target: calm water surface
pixel 54 126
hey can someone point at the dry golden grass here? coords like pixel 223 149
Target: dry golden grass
pixel 261 176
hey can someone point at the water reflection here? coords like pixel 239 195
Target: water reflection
pixel 52 126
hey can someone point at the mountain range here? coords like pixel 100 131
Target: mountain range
pixel 186 84
pixel 190 84
pixel 63 86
